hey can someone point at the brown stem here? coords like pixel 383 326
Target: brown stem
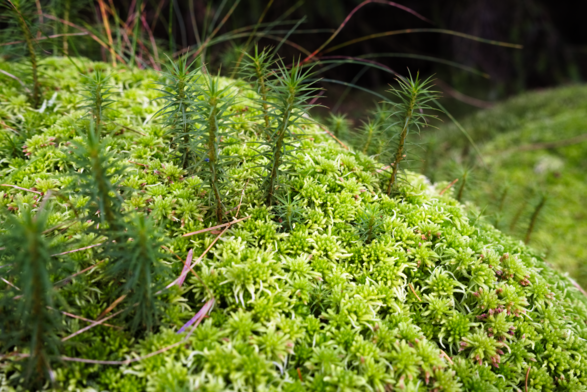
pixel 517 216
pixel 32 56
pixel 534 218
pixel 462 187
pixel 277 152
pixel 402 140
pixel 66 27
pixel 212 161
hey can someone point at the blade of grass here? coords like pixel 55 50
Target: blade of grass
pixel 222 22
pixel 108 32
pixel 350 15
pixel 423 30
pixel 428 58
pixel 246 47
pixel 94 37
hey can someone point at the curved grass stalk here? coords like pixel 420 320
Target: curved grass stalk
pixel 28 37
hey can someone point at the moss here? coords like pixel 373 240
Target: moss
pixel 337 287
pixel 525 175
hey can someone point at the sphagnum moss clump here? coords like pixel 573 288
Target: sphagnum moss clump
pixel 336 286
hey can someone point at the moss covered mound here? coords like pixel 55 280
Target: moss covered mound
pixel 534 145
pixel 338 287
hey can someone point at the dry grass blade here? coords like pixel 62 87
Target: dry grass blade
pixel 94 324
pixel 88 320
pixel 69 278
pixel 216 227
pixel 416 294
pixel 129 128
pixel 241 201
pixel 77 250
pixel 22 189
pixel 18 80
pixel 8 127
pixel 198 317
pixel 332 136
pixel 183 274
pixel 112 306
pixel 44 38
pixel 350 15
pixel 446 188
pixel 186 267
pixel 447 357
pixel 126 362
pixel 10 284
pixel 478 103
pixel 222 22
pixel 383 169
pixel 423 30
pixel 108 32
pixel 94 37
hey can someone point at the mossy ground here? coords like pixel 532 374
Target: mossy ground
pixel 351 290
pixel 518 140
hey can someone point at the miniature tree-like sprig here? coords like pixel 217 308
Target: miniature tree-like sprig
pixel 257 67
pixel 288 100
pixel 409 114
pixel 178 97
pixel 97 94
pixel 96 177
pixel 19 11
pixel 137 262
pixel 214 121
pixel 29 319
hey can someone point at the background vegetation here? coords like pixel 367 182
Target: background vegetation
pixel 519 165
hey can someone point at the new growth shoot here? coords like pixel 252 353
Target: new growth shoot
pixel 409 114
pixel 288 99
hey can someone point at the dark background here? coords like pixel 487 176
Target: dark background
pixel 553 33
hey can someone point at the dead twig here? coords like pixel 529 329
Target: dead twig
pixel 416 294
pixel 93 324
pixel 216 227
pixel 44 38
pixel 112 306
pixel 332 136
pixel 69 278
pixel 449 186
pixel 87 320
pixel 22 189
pixel 447 357
pixel 545 145
pixel 183 274
pixel 77 250
pixel 241 200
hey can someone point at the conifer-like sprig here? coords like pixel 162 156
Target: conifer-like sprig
pixel 290 211
pixel 19 11
pixel 97 93
pixel 409 114
pixel 97 178
pixel 370 223
pixel 258 68
pixel 214 128
pixel 339 125
pixel 28 318
pixel 178 104
pixel 137 261
pixel 288 100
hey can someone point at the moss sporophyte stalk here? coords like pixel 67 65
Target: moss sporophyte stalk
pixel 308 277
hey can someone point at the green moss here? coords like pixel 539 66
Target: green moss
pixel 524 164
pixel 337 287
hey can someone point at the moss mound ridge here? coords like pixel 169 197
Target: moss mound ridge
pixel 338 287
pixel 533 144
